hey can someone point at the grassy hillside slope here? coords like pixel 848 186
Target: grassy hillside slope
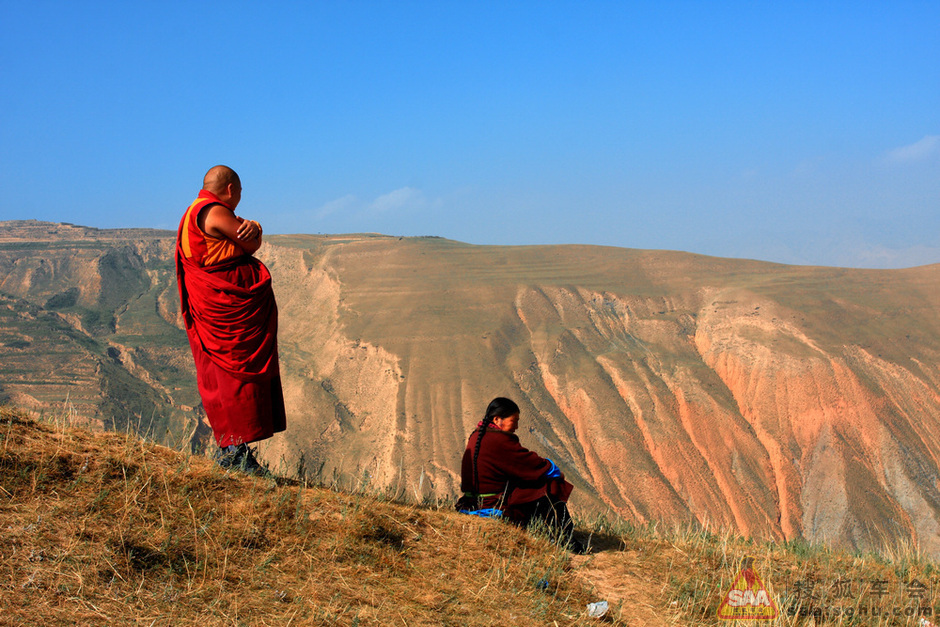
pixel 106 529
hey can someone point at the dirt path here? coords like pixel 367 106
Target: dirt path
pixel 631 581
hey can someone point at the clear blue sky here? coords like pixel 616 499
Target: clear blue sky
pixel 801 132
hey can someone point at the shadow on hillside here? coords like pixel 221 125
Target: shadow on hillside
pixel 600 542
pixel 285 481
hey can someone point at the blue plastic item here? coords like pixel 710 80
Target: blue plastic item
pixel 489 512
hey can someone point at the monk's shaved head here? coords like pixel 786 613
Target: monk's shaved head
pixel 219 177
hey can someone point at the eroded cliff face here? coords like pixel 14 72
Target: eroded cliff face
pixel 712 402
pixel 779 401
pixel 340 391
pixel 656 435
pixel 848 435
pixel 729 413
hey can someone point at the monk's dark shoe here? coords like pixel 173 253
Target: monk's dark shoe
pixel 241 458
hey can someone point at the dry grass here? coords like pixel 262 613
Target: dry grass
pixel 103 528
pixel 107 529
pixel 684 574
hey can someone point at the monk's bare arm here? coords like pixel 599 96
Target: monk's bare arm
pixel 221 222
pixel 249 230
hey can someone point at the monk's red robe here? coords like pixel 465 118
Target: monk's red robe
pixel 231 321
pixel 509 474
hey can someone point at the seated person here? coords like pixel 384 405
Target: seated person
pixel 497 473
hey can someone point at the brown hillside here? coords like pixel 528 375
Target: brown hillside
pixel 103 529
pixel 106 529
pixel 776 400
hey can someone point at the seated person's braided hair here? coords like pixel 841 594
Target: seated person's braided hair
pixel 499 407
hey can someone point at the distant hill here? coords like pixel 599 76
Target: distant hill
pixel 780 401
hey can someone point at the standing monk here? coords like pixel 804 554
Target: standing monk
pixel 231 320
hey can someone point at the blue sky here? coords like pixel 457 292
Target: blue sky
pixel 799 132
